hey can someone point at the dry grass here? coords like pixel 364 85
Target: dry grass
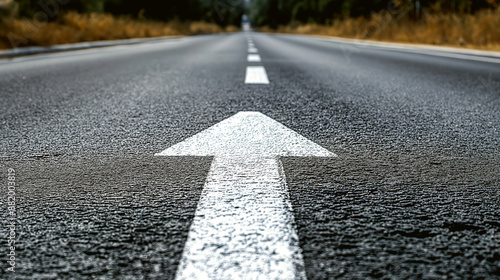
pixel 73 27
pixel 479 31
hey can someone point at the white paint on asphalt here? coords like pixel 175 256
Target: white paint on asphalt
pixel 256 75
pixel 472 55
pixel 253 50
pixel 253 58
pixel 243 226
pixel 453 55
pixel 247 133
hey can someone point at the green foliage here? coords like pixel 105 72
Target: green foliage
pixel 28 8
pixel 282 12
pixel 223 12
pixel 226 12
pixel 276 12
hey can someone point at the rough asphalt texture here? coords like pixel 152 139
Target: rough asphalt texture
pixel 414 193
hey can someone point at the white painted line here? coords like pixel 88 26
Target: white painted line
pixel 251 46
pixel 256 75
pixel 454 55
pixel 253 50
pixel 253 58
pixel 425 50
pixel 243 226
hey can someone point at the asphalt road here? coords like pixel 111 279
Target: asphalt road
pixel 413 194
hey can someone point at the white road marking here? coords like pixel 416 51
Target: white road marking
pixel 256 75
pixel 243 226
pixel 253 58
pixel 454 55
pixel 253 50
pixel 424 49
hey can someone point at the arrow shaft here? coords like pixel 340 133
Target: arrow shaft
pixel 243 226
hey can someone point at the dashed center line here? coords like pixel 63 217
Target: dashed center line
pixel 256 75
pixel 253 58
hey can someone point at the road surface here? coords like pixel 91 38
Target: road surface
pixel 414 192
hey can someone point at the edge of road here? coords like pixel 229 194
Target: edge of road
pixel 11 53
pixel 423 48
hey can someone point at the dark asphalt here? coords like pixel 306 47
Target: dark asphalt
pixel 414 193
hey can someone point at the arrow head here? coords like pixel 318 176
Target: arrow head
pixel 247 134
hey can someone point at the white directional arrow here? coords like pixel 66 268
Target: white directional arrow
pixel 243 226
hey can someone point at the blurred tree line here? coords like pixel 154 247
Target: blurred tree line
pixel 223 12
pixel 229 12
pixel 281 12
